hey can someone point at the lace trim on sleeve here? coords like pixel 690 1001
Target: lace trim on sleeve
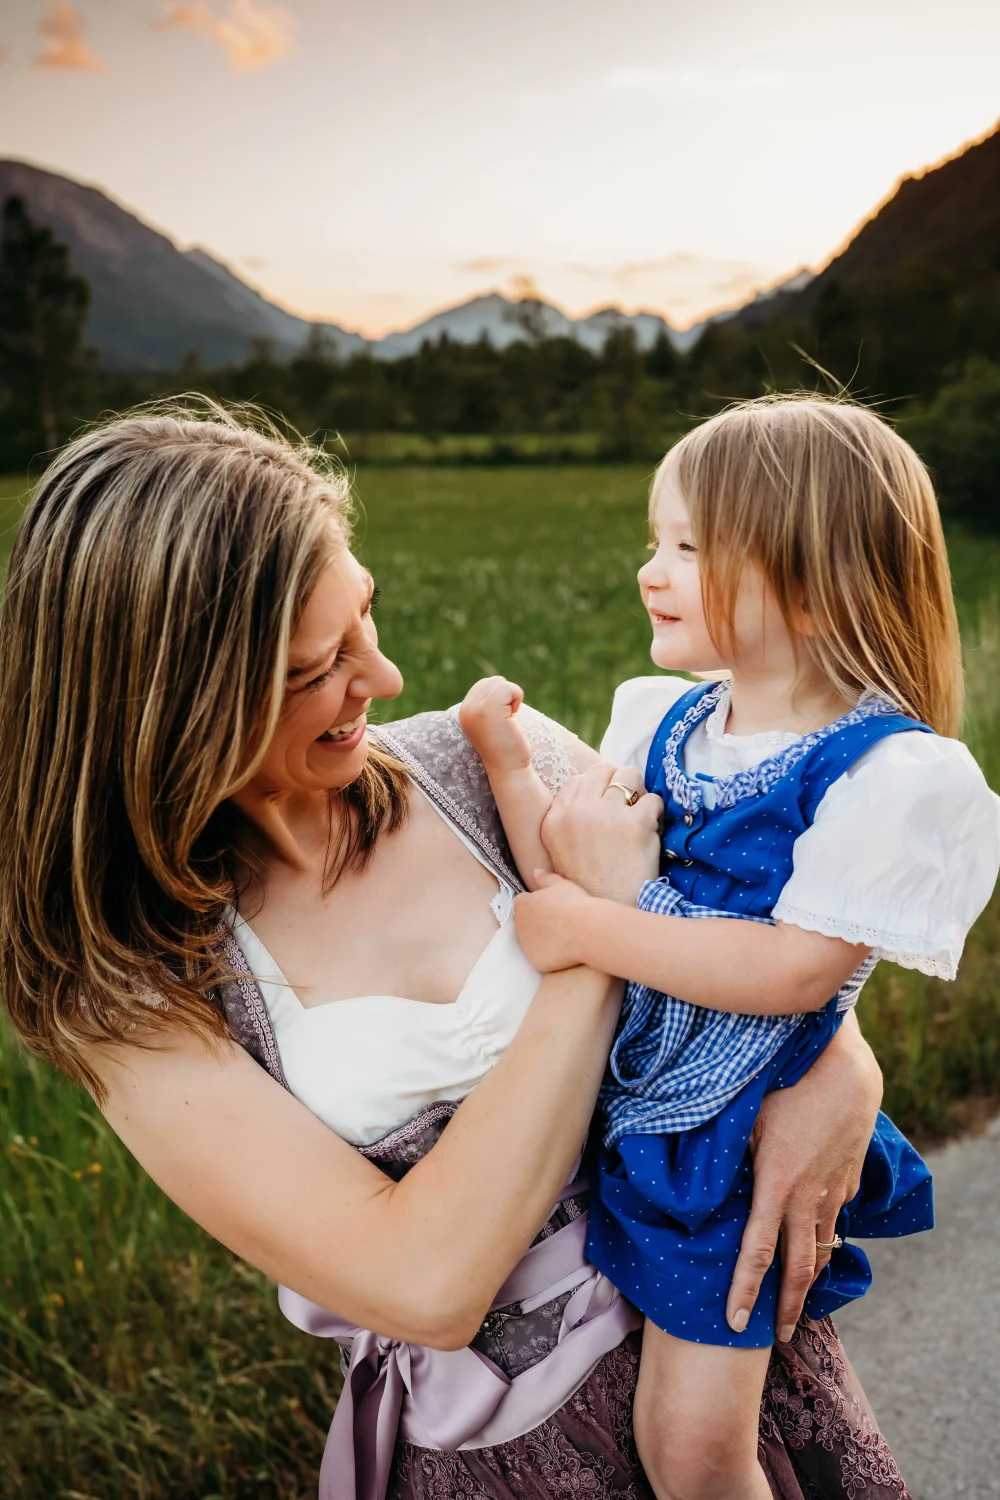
pixel 549 751
pixel 896 947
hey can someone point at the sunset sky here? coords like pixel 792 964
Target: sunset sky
pixel 371 162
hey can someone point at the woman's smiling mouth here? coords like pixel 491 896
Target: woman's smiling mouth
pixel 345 736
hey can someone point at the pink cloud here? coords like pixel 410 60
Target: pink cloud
pixel 251 33
pixel 62 30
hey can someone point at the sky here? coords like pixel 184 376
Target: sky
pixel 367 162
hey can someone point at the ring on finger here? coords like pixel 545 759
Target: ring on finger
pixel 834 1244
pixel 631 795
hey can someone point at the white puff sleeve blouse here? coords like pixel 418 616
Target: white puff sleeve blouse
pixel 904 849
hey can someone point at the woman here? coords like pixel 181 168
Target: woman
pixel 200 842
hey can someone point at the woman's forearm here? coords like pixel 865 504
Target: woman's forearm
pixel 809 1147
pixel 420 1260
pixel 467 1212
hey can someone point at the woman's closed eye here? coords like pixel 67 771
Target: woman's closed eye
pixel 317 682
pixel 324 676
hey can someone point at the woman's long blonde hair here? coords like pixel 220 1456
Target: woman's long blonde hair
pixel 157 578
pixel 840 515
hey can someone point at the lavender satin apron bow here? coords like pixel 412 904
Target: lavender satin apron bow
pixel 451 1399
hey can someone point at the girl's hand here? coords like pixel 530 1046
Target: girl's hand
pixel 488 719
pixel 595 839
pixel 549 922
pixel 809 1145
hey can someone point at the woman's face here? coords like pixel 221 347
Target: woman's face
pixel 335 669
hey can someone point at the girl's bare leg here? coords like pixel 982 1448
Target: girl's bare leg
pixel 697 1409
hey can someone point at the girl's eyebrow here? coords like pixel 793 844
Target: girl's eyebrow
pixel 327 652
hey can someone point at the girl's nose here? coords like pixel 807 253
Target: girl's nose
pixel 652 574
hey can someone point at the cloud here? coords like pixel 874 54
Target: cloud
pixel 62 30
pixel 489 265
pixel 694 83
pixel 681 268
pixel 252 33
pixel 683 285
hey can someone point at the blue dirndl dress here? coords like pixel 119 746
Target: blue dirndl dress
pixel 672 1187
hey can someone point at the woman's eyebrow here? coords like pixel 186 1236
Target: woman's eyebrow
pixel 324 655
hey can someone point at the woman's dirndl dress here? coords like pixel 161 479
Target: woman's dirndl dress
pixel 674 1179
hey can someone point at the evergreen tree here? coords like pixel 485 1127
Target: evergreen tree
pixel 43 309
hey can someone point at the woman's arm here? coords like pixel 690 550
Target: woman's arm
pixel 419 1260
pixel 809 1145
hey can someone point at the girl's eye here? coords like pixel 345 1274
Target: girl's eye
pixel 376 596
pixel 686 547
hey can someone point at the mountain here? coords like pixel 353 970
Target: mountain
pixel 504 322
pixel 151 302
pixel 948 214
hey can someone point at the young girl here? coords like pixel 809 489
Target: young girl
pixel 816 795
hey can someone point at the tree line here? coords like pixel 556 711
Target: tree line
pixel 915 340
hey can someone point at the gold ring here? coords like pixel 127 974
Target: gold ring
pixel 834 1244
pixel 631 795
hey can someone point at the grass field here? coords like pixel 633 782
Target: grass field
pixel 136 1357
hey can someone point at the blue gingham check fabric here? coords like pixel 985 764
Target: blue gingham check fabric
pixel 676 1065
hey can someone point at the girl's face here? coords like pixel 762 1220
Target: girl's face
pixel 335 669
pixel 670 585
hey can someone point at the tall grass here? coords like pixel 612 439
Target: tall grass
pixel 137 1358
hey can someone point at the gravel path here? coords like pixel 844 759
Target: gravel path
pixel 926 1339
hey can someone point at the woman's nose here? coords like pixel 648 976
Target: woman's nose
pixel 381 678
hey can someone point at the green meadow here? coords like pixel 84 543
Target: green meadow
pixel 137 1358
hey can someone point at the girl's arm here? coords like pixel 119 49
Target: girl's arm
pixel 719 963
pixel 419 1260
pixel 488 716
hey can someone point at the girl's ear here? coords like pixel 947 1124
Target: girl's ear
pixel 803 622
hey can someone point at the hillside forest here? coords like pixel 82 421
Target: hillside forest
pixel 907 317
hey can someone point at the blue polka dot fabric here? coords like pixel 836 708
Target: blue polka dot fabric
pixel 669 1206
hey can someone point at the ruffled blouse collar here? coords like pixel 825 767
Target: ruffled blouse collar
pixel 766 742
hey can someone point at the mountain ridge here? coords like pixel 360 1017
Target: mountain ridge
pixel 154 303
pixel 948 213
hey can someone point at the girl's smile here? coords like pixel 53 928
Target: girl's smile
pixel 671 591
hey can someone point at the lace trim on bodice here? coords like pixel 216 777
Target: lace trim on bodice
pixel 758 779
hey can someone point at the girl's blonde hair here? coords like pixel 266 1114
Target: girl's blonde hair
pixel 840 515
pixel 155 584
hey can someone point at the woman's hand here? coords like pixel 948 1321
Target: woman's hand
pixel 808 1146
pixel 597 840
